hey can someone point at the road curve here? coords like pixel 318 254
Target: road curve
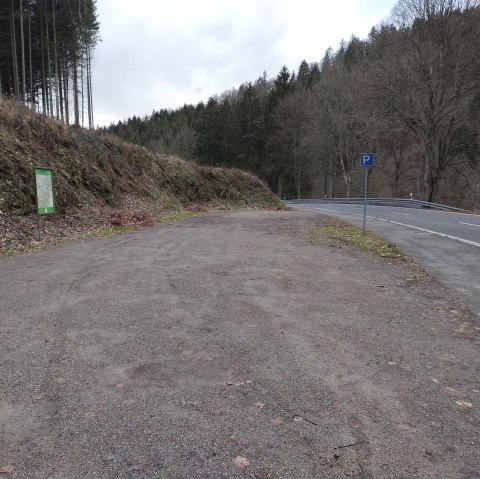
pixel 446 243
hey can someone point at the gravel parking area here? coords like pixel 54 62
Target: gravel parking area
pixel 231 346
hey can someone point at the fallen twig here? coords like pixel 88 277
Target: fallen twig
pixel 308 420
pixel 344 446
pixel 303 419
pixel 352 444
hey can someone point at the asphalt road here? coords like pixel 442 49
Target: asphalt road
pixel 231 346
pixel 446 243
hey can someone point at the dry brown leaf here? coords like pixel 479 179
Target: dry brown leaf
pixel 453 391
pixel 7 469
pixel 464 404
pixel 241 462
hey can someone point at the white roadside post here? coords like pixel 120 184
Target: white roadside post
pixel 366 160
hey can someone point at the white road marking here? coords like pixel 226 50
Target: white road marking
pixel 473 243
pixel 468 224
pixel 403 214
pixel 443 235
pixel 335 211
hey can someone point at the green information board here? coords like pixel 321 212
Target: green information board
pixel 44 189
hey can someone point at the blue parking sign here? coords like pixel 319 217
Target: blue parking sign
pixel 367 159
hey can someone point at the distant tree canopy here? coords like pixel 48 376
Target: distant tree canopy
pixel 46 56
pixel 410 92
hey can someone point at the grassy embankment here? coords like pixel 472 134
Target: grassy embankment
pixel 102 184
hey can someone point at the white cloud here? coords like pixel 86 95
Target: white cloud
pixel 161 54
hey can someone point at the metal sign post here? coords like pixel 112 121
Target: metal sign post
pixel 366 160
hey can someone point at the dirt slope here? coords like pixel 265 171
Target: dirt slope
pixel 100 176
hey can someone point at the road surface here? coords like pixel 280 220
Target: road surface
pixel 446 243
pixel 231 346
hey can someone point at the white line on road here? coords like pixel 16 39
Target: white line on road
pixel 443 235
pixel 403 214
pixel 473 243
pixel 326 209
pixel 469 224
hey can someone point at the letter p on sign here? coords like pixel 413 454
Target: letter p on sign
pixel 367 159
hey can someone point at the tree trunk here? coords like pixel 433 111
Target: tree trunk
pixel 32 86
pixel 49 79
pixel 297 172
pixel 82 82
pixel 280 186
pixel 22 46
pixel 57 93
pixel 331 176
pixel 14 53
pixel 397 165
pixel 67 103
pixel 91 123
pixel 429 169
pixel 346 176
pixel 44 83
pixel 75 90
pixel 60 92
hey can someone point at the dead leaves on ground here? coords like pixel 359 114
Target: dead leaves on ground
pixel 133 219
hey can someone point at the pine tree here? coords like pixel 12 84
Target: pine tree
pixel 61 36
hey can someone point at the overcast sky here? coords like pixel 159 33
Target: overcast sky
pixel 162 54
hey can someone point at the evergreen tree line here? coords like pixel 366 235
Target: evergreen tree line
pixel 46 53
pixel 410 93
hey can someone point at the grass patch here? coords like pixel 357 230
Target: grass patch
pixel 25 248
pixel 334 231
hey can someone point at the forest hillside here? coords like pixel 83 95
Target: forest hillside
pixel 409 92
pixel 101 181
